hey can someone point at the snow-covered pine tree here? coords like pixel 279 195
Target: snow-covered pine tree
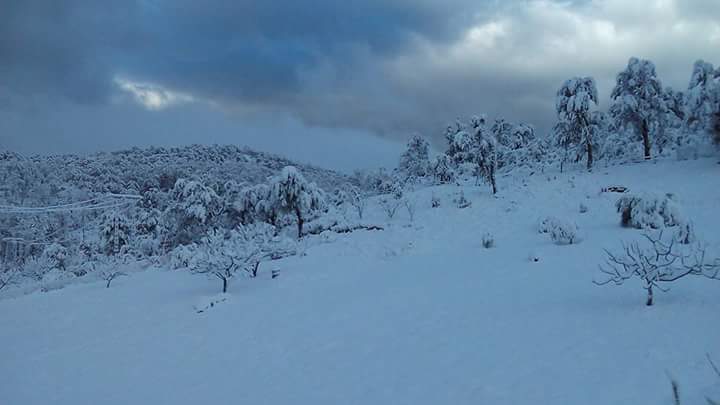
pixel 114 232
pixel 442 169
pixel 252 205
pixel 637 101
pixel 451 130
pixel 669 134
pixel 292 194
pixel 191 212
pixel 415 161
pixel 574 130
pixel 702 102
pixel 598 128
pixel 504 135
pixel 462 148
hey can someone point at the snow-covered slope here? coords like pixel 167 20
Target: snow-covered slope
pixel 416 314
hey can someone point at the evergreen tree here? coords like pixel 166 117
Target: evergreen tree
pixel 575 129
pixel 637 101
pixel 192 211
pixel 292 194
pixel 703 100
pixel 415 161
pixel 114 232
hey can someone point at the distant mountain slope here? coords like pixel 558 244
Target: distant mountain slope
pixel 136 169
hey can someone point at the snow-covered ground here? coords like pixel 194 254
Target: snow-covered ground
pixel 415 314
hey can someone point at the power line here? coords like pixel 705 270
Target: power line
pixel 98 203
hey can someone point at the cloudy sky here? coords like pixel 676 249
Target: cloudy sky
pixel 316 79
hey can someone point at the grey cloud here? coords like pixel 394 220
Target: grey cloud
pixel 389 66
pixel 231 50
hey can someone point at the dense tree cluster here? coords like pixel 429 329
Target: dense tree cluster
pixel 62 213
pixel 644 120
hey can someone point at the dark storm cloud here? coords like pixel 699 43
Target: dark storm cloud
pixel 388 66
pixel 62 48
pixel 232 50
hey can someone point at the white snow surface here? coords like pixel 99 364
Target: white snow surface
pixel 415 314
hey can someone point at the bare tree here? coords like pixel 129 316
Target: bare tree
pixel 659 263
pixel 390 205
pixel 110 275
pixel 223 254
pixel 358 201
pixel 224 272
pixel 411 208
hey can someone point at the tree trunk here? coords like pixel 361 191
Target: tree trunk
pixel 492 180
pixel 649 301
pixel 299 222
pixel 646 138
pixel 225 284
pixel 589 156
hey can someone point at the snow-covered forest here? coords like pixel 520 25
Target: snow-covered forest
pixel 65 217
pixel 489 217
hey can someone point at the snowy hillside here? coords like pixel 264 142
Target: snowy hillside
pixel 417 313
pixel 136 169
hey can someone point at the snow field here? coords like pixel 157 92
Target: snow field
pixel 416 314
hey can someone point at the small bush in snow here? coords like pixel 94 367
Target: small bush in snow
pixel 583 208
pixel 564 233
pixel 434 201
pixel 649 211
pixel 488 241
pixel 547 223
pixel 462 202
